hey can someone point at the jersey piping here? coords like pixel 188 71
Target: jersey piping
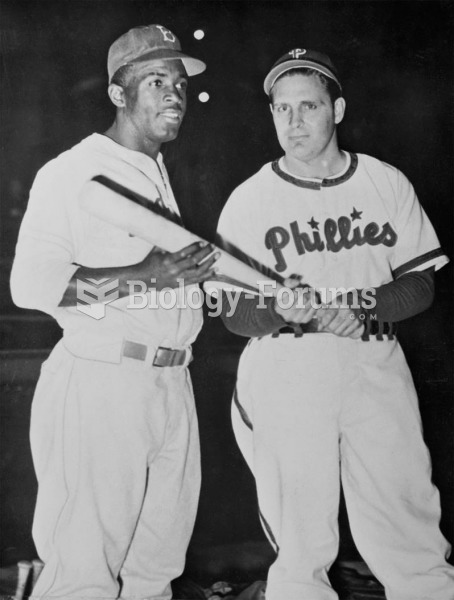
pixel 317 185
pixel 417 262
pixel 243 413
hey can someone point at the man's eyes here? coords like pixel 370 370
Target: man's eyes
pixel 182 85
pixel 307 106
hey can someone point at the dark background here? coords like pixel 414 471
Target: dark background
pixel 396 65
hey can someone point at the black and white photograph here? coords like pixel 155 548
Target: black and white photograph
pixel 227 300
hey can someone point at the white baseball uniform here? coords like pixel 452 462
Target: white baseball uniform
pixel 114 438
pixel 309 409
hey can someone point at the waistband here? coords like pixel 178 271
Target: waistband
pixel 379 329
pixel 142 354
pixel 156 357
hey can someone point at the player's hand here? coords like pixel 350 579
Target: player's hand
pixel 340 321
pixel 303 307
pixel 192 264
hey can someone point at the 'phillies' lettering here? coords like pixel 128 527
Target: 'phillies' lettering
pixel 372 235
pixel 303 241
pixel 338 235
pixel 275 239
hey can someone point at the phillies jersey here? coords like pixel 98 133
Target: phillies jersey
pixel 361 228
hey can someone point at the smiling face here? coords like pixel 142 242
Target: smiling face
pixel 153 104
pixel 305 119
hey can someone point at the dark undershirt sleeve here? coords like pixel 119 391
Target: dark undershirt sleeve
pixel 409 295
pixel 248 319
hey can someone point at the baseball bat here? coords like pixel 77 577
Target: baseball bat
pixel 111 202
pixel 37 566
pixel 23 572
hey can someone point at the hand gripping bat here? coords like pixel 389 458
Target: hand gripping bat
pixel 115 204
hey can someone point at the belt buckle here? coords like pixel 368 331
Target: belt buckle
pixel 168 357
pixel 161 357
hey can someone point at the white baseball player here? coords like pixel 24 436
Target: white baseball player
pixel 114 431
pixel 325 395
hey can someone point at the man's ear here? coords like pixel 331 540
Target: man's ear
pixel 339 110
pixel 116 95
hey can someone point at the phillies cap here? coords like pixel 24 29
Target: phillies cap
pixel 149 42
pixel 297 58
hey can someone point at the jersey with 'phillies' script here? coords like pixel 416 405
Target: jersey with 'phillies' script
pixel 361 228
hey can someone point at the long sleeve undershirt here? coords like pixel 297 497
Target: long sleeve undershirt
pixel 409 295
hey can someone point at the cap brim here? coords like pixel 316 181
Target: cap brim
pixel 193 66
pixel 288 65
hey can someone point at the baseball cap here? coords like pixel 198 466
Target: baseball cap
pixel 297 58
pixel 149 42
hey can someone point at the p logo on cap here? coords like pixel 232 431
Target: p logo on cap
pixel 149 42
pixel 297 52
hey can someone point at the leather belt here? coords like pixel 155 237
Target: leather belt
pixel 298 329
pixel 372 327
pixel 163 357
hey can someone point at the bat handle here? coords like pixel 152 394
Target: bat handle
pixel 23 571
pixel 37 566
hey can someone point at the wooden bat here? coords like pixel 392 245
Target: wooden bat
pixel 111 202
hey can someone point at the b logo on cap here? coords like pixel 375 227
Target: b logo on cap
pixel 166 34
pixel 297 52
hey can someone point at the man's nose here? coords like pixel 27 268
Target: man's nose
pixel 173 94
pixel 296 118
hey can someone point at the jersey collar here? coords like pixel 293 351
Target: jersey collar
pixel 317 184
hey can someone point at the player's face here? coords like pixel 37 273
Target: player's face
pixel 305 118
pixel 155 101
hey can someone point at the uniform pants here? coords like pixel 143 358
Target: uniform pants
pixel 312 411
pixel 116 453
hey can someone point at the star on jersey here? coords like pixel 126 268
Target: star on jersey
pixel 356 214
pixel 313 223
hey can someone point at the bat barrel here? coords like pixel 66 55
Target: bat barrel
pixel 120 211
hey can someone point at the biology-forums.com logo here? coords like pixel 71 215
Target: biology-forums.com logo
pixel 94 294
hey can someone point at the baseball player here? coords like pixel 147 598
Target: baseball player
pixel 114 432
pixel 323 391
